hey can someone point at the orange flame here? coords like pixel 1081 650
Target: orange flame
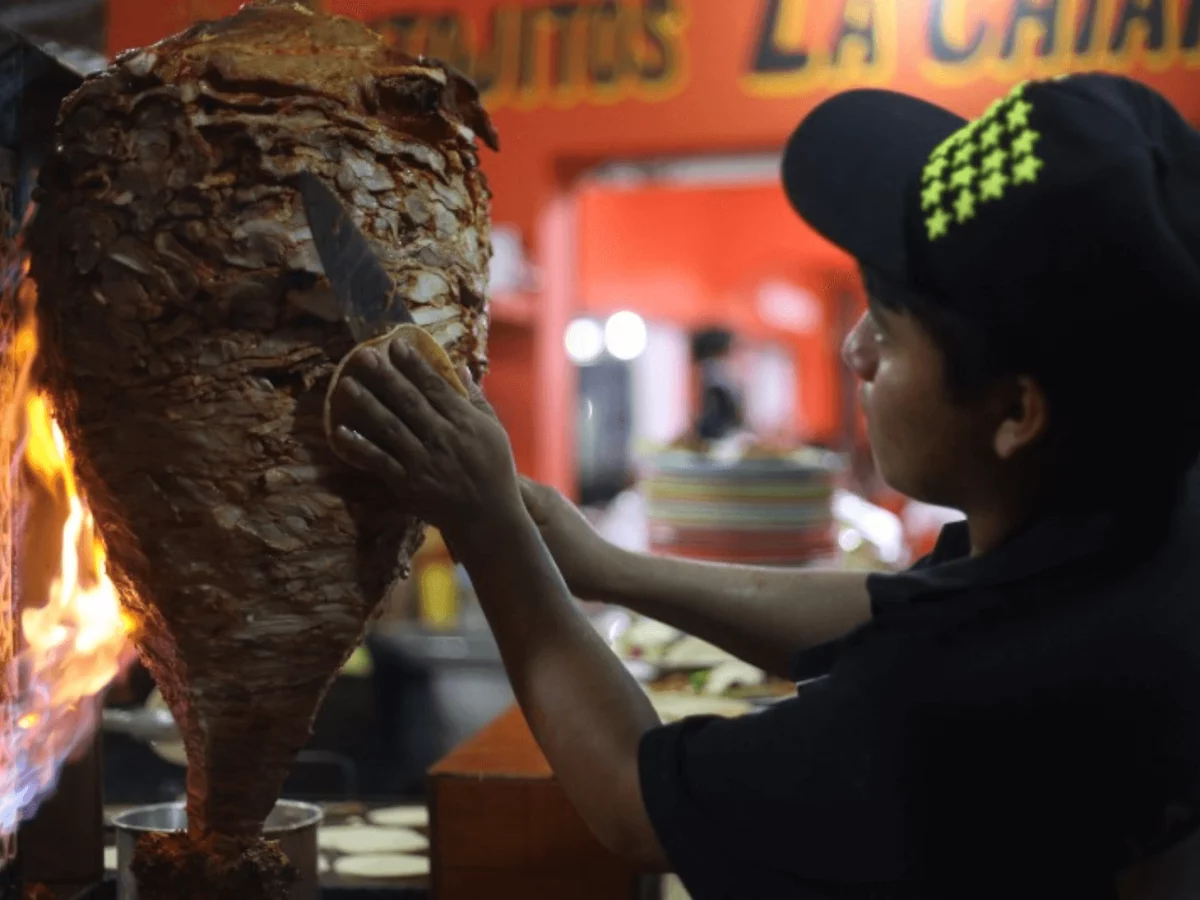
pixel 75 641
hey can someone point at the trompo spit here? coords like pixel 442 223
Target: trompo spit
pixel 192 335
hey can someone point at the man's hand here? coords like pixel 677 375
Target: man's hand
pixel 582 555
pixel 446 458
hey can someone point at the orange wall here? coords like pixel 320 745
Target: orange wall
pixel 711 97
pixel 698 256
pixel 701 77
pixel 508 387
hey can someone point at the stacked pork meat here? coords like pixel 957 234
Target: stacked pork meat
pixel 193 334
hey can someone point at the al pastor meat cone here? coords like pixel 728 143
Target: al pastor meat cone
pixel 193 336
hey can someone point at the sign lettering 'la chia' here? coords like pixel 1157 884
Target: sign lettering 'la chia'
pixel 562 54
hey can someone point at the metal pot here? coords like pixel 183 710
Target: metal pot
pixel 291 823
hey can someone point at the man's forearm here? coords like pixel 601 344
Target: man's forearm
pixel 760 615
pixel 585 710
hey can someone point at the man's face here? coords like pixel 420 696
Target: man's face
pixel 926 445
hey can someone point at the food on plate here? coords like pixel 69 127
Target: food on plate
pixel 692 653
pixel 674 707
pixel 647 639
pixel 723 679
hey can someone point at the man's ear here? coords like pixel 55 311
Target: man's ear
pixel 1026 419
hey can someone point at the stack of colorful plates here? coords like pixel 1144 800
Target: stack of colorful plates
pixel 756 510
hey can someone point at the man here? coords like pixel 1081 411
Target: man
pixel 720 407
pixel 1017 716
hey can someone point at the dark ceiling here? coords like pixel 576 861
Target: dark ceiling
pixel 71 23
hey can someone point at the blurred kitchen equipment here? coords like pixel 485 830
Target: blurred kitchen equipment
pixel 145 724
pixel 152 724
pixel 437 689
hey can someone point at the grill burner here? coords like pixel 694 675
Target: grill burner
pixel 62 848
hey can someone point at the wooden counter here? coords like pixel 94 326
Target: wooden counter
pixel 502 828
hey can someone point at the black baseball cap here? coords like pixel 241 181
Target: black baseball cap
pixel 1074 200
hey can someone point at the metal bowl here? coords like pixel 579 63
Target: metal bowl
pixel 291 823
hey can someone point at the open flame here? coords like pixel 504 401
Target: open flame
pixel 73 638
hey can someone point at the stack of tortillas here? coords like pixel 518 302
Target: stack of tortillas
pixel 387 847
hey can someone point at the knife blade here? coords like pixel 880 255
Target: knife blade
pixel 365 292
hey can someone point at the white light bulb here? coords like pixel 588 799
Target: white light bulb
pixel 584 341
pixel 625 336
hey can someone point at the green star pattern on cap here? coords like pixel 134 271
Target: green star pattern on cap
pixel 964 206
pixel 1026 171
pixel 936 168
pixel 1018 114
pixel 980 164
pixel 931 195
pixel 963 177
pixel 992 187
pixel 938 224
pixel 992 134
pixel 995 161
pixel 949 143
pixel 1023 143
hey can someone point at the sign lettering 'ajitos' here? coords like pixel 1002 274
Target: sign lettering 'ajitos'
pixel 561 54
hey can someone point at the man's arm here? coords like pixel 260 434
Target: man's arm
pixel 761 615
pixel 449 462
pixel 587 713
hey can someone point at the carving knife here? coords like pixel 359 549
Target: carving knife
pixel 366 295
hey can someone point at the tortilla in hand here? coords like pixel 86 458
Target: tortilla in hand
pixel 421 342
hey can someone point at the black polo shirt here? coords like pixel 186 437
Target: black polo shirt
pixel 1021 724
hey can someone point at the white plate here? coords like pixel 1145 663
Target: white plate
pixel 368 839
pixel 382 866
pixel 400 817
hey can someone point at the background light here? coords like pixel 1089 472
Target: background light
pixel 625 336
pixel 584 341
pixel 849 540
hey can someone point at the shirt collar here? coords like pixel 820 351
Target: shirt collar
pixel 1052 544
pixel 1049 544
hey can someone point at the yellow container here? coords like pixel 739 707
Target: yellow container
pixel 436 583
